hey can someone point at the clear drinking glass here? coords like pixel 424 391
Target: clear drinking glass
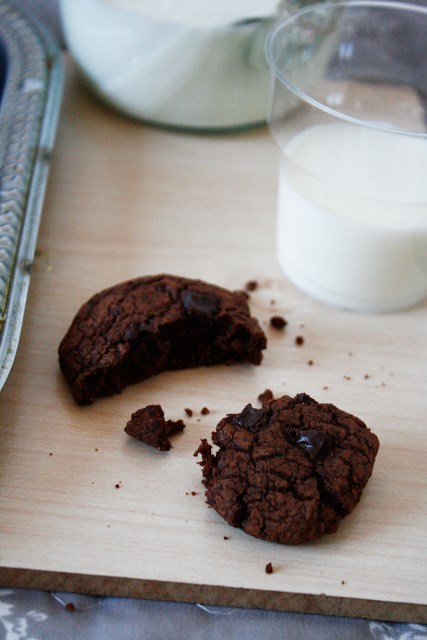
pixel 349 114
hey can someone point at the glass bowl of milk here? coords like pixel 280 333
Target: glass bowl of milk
pixel 349 113
pixel 189 64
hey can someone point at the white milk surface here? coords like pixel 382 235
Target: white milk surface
pixel 179 63
pixel 352 216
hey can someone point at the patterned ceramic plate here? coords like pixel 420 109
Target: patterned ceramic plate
pixel 31 83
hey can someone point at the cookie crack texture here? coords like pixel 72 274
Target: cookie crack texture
pixel 141 327
pixel 290 471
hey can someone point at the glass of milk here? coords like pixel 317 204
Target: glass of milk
pixel 349 114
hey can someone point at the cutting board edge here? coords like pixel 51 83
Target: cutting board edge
pixel 320 604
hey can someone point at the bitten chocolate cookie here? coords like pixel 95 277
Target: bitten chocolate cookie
pixel 149 425
pixel 289 471
pixel 142 327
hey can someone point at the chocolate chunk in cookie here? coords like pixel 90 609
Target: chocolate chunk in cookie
pixel 142 327
pixel 290 471
pixel 149 426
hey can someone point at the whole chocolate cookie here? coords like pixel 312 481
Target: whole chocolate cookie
pixel 289 471
pixel 144 326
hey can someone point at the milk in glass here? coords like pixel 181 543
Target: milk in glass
pixel 352 221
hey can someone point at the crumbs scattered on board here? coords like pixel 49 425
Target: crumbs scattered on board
pixel 278 322
pixel 204 411
pixel 251 285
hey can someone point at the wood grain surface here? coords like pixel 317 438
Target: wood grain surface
pixel 125 200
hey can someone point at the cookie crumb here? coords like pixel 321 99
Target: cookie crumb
pixel 189 412
pixel 265 396
pixel 149 425
pixel 269 568
pixel 194 493
pixel 346 377
pixel 299 341
pixel 251 285
pixel 50 453
pixel 278 322
pixel 204 411
pixel 325 388
pixel 342 581
pixel 366 376
pixel 70 607
pixel 226 538
pixel 310 363
pixel 117 485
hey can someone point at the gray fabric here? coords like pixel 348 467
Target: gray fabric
pixel 35 615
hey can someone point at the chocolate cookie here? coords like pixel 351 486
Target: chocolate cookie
pixel 149 426
pixel 142 327
pixel 290 471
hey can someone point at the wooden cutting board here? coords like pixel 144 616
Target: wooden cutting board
pixel 125 200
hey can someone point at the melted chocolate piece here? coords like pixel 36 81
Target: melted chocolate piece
pixel 133 332
pixel 251 417
pixel 313 441
pixel 302 398
pixel 201 303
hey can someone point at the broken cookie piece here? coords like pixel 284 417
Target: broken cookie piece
pixel 149 426
pixel 290 471
pixel 142 327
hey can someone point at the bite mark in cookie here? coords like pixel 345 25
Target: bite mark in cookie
pixel 152 324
